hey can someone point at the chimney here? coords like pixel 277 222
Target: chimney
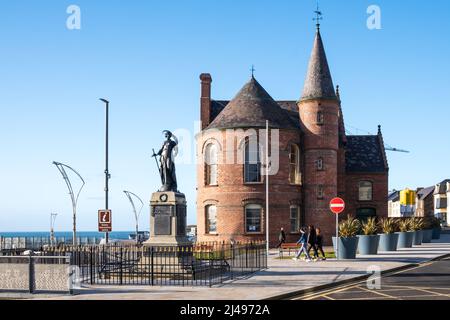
pixel 205 100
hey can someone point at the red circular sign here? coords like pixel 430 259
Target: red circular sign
pixel 337 205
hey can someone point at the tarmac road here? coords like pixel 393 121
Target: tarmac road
pixel 428 281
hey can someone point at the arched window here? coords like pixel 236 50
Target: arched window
pixel 253 217
pixel 294 165
pixel 211 165
pixel 252 161
pixel 211 219
pixel 365 190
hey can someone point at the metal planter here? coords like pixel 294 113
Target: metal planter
pixel 436 234
pixel 427 235
pixel 405 239
pixel 347 247
pixel 368 245
pixel 388 242
pixel 417 239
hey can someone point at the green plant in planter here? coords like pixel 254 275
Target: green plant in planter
pixel 417 224
pixel 349 228
pixel 435 223
pixel 388 225
pixel 404 225
pixel 369 227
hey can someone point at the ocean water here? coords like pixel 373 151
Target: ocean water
pixel 68 234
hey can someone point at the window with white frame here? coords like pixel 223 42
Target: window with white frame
pixel 253 218
pixel 211 219
pixel 211 164
pixel 252 161
pixel 294 165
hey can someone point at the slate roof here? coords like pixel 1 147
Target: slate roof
pixel 318 82
pixel 251 107
pixel 365 154
pixel 394 196
pixel 424 193
pixel 442 187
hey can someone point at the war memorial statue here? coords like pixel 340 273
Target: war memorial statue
pixel 167 205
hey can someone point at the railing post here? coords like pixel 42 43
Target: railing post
pixel 121 266
pixel 91 265
pixel 31 273
pixel 151 267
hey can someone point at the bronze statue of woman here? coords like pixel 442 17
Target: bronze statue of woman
pixel 167 163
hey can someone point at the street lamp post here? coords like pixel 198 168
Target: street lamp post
pixel 62 169
pixel 136 213
pixel 52 227
pixel 107 175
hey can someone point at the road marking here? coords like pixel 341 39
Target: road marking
pixel 429 291
pixel 379 293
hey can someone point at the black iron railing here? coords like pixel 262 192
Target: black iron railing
pixel 204 264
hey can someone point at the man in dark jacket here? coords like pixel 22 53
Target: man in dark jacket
pixel 312 239
pixel 303 242
pixel 281 237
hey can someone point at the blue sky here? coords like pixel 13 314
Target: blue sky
pixel 146 56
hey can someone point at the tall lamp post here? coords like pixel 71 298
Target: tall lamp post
pixel 107 175
pixel 62 169
pixel 52 227
pixel 136 213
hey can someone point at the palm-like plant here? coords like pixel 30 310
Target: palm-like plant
pixel 404 225
pixel 388 225
pixel 417 224
pixel 369 227
pixel 349 228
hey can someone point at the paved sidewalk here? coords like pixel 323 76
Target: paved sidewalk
pixel 282 276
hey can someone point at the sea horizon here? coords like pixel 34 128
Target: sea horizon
pixel 66 234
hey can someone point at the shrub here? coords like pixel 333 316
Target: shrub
pixel 369 227
pixel 388 225
pixel 404 225
pixel 349 228
pixel 417 224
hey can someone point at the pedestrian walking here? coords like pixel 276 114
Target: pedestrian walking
pixel 312 241
pixel 319 243
pixel 303 243
pixel 281 238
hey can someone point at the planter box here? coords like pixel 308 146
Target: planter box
pixel 405 239
pixel 417 239
pixel 347 247
pixel 368 245
pixel 427 235
pixel 436 234
pixel 388 242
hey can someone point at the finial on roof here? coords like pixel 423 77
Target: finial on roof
pixel 338 93
pixel 379 129
pixel 253 71
pixel 318 16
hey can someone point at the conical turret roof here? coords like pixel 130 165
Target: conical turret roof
pixel 318 83
pixel 251 107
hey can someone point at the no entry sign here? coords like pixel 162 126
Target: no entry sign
pixel 337 205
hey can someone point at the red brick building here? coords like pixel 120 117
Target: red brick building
pixel 315 161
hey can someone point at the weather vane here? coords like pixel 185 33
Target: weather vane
pixel 318 16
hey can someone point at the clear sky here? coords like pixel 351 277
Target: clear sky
pixel 146 56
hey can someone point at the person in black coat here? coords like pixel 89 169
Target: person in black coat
pixel 312 238
pixel 281 237
pixel 319 243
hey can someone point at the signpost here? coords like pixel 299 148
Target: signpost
pixel 104 221
pixel 337 206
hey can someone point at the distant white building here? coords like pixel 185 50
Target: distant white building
pixel 442 205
